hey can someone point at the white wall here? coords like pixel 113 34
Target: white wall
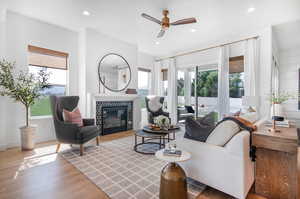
pixel 20 32
pixel 288 78
pixel 98 45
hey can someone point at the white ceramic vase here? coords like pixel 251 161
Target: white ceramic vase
pixel 28 137
pixel 277 110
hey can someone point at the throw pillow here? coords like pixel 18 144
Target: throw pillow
pixel 73 116
pixel 200 128
pixel 223 133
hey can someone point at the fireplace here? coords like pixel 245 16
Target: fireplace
pixel 113 117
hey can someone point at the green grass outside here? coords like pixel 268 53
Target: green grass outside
pixel 41 107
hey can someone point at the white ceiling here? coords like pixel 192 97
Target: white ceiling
pixel 287 35
pixel 218 20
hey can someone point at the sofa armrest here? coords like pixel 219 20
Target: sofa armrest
pixel 239 144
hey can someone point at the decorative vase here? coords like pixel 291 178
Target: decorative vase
pixel 28 137
pixel 277 110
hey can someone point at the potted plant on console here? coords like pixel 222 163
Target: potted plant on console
pixel 23 87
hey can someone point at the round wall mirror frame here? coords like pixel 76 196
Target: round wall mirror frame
pixel 114 72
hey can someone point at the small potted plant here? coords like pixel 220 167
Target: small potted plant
pixel 23 87
pixel 277 100
pixel 162 121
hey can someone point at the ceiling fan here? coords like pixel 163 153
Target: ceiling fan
pixel 165 22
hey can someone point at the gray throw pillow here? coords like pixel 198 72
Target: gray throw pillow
pixel 200 128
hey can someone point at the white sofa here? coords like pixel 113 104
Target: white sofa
pixel 228 169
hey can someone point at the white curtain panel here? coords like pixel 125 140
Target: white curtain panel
pixel 157 78
pixel 223 82
pixel 250 64
pixel 187 87
pixel 172 90
pixel 250 68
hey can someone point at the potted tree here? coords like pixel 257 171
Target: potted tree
pixel 23 87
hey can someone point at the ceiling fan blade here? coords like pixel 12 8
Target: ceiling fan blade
pixel 151 18
pixel 161 33
pixel 184 21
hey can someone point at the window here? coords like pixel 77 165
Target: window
pixel 207 84
pixel 144 84
pixel 165 81
pixel 55 63
pixel 180 88
pixel 236 82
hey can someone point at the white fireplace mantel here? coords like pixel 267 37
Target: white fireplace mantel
pixel 93 98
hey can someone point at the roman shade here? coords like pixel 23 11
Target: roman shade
pixel 47 58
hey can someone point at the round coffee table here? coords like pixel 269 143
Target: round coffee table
pixel 173 179
pixel 151 142
pixel 169 131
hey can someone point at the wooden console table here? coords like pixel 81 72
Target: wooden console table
pixel 276 163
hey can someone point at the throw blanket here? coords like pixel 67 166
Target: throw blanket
pixel 245 125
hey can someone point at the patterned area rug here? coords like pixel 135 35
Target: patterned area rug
pixel 121 172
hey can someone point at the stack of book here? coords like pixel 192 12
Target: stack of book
pixel 284 123
pixel 171 152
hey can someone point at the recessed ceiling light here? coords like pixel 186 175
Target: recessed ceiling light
pixel 157 42
pixel 86 13
pixel 192 30
pixel 251 9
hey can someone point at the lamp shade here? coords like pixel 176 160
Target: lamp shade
pixel 249 100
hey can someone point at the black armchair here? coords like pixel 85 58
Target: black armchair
pixel 157 110
pixel 67 132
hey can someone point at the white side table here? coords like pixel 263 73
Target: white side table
pixel 173 179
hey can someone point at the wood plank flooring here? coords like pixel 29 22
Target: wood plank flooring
pixel 44 174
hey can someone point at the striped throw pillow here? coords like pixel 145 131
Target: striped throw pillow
pixel 73 117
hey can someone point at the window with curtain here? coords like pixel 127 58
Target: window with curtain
pixel 236 82
pixel 165 81
pixel 144 84
pixel 56 64
pixel 180 87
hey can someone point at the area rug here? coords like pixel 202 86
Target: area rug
pixel 121 172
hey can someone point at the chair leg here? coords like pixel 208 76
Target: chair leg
pixel 57 147
pixel 97 140
pixel 81 150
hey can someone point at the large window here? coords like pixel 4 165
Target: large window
pixel 55 63
pixel 236 82
pixel 144 84
pixel 165 81
pixel 180 87
pixel 207 84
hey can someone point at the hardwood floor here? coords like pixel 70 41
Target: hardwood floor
pixel 44 174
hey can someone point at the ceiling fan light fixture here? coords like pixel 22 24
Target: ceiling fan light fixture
pixel 193 30
pixel 157 43
pixel 86 13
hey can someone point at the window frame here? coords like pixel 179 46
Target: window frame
pixel 48 52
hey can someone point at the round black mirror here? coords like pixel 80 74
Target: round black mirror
pixel 114 72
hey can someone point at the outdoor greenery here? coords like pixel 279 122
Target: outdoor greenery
pixel 41 107
pixel 207 85
pixel 20 85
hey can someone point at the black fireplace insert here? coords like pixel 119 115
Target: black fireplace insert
pixel 114 116
pixel 114 119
